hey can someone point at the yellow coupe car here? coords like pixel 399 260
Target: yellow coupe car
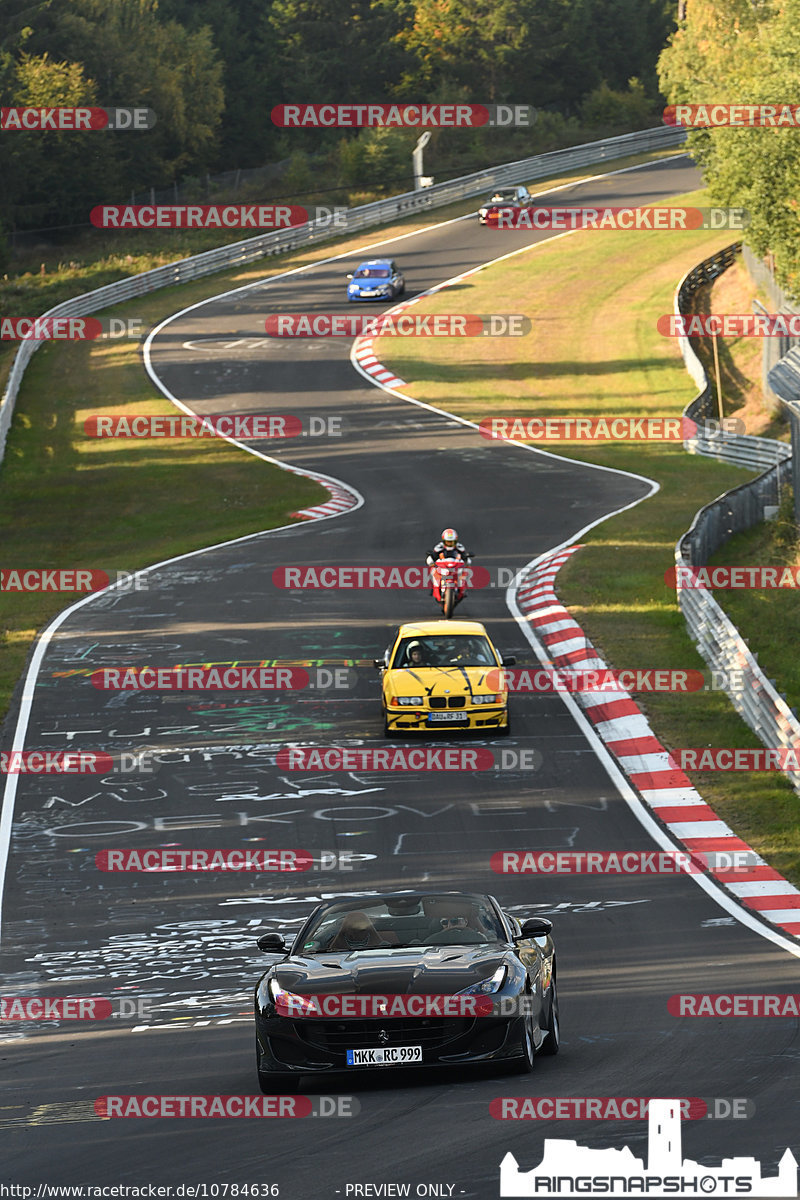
pixel 443 675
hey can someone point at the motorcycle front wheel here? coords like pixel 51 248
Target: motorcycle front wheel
pixel 448 602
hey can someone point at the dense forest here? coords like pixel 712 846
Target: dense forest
pixel 745 51
pixel 212 70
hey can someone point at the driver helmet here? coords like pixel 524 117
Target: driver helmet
pixel 450 539
pixel 357 930
pixel 413 646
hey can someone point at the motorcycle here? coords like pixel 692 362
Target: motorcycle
pixel 449 577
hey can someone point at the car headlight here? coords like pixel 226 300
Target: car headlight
pixel 410 700
pixel 492 698
pixel 486 986
pixel 290 1003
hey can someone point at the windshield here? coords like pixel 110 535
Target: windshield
pixel 371 273
pixel 432 919
pixel 500 196
pixel 458 650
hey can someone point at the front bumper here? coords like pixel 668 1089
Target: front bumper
pixel 306 1047
pixel 415 720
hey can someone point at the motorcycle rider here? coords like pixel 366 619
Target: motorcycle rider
pixel 448 547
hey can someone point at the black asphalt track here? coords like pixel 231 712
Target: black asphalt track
pixel 183 945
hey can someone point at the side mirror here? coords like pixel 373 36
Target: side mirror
pixel 350 276
pixel 271 943
pixel 536 927
pixel 509 660
pixel 378 662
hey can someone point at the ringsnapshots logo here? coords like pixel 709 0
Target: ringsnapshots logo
pixel 745 116
pixel 398 324
pixel 75 120
pixel 403 116
pixel 500 216
pixel 570 1170
pixel 241 427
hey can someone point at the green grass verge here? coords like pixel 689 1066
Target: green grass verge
pixel 67 500
pixel 594 299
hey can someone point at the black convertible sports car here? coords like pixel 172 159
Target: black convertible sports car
pixel 408 978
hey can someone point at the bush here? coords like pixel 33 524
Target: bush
pixel 631 109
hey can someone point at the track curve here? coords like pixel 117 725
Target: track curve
pixel 188 943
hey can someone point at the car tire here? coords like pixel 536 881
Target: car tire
pixel 402 291
pixel 553 1040
pixel 505 730
pixel 386 730
pixel 524 1064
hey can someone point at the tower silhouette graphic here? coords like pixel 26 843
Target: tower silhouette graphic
pixel 564 1162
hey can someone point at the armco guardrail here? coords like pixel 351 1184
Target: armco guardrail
pixel 784 382
pixel 775 348
pixel 717 638
pixel 740 449
pixel 238 253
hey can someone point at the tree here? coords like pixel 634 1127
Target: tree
pixel 244 41
pixel 745 51
pixel 50 177
pixel 136 59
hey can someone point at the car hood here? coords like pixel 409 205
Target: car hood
pixel 441 681
pixel 431 970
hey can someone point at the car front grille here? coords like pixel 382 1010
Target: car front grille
pixel 448 701
pixel 429 1032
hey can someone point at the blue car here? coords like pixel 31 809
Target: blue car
pixel 378 279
